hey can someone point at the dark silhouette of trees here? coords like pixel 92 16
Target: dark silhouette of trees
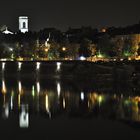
pixel 84 49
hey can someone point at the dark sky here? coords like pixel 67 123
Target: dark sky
pixel 65 13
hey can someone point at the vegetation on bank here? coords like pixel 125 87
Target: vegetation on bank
pixel 52 44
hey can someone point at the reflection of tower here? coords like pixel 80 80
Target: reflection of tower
pixel 23 24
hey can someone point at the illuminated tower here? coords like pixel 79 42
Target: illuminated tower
pixel 23 24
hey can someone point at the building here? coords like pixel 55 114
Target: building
pixel 6 31
pixel 23 24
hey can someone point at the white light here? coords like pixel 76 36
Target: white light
pixel 37 65
pixel 19 66
pixel 11 103
pixel 82 96
pixel 58 66
pixel 3 66
pixel 38 87
pixel 6 111
pixel 3 59
pixel 82 58
pixel 11 49
pixel 19 87
pixel 58 89
pixel 24 118
pixel 64 103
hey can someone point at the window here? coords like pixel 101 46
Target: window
pixel 24 25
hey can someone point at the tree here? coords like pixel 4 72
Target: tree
pixel 84 49
pixel 104 45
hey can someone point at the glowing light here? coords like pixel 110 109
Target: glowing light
pixel 3 66
pixel 47 105
pixel 11 49
pixel 58 66
pixel 100 55
pixel 3 87
pixel 7 31
pixel 19 87
pixel 11 103
pixel 82 96
pixel 58 89
pixel 64 103
pixel 38 87
pixel 63 49
pixel 46 50
pixel 24 118
pixel 37 65
pixel 6 111
pixel 33 91
pixel 82 58
pixel 19 65
pixel 100 99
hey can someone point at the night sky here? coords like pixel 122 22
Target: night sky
pixel 70 13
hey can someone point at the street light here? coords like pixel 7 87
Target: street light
pixel 46 49
pixel 63 49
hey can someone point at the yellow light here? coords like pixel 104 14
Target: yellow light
pixel 46 50
pixel 47 103
pixel 19 100
pixel 64 103
pixel 33 91
pixel 63 49
pixel 58 89
pixel 19 87
pixel 3 87
pixel 38 87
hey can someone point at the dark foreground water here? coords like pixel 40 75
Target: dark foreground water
pixel 67 109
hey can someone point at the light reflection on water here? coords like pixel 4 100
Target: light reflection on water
pixel 58 99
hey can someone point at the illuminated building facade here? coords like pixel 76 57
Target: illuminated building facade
pixel 23 24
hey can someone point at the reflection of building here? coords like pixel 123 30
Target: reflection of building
pixel 24 117
pixel 23 24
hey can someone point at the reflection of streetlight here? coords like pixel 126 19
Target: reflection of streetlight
pixel 58 66
pixel 3 66
pixel 24 117
pixel 37 65
pixel 82 96
pixel 58 88
pixel 19 66
pixel 3 87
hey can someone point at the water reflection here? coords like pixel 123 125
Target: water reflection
pixel 50 101
pixel 24 117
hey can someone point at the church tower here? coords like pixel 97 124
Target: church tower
pixel 23 24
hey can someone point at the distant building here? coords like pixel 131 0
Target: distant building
pixel 23 24
pixel 6 31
